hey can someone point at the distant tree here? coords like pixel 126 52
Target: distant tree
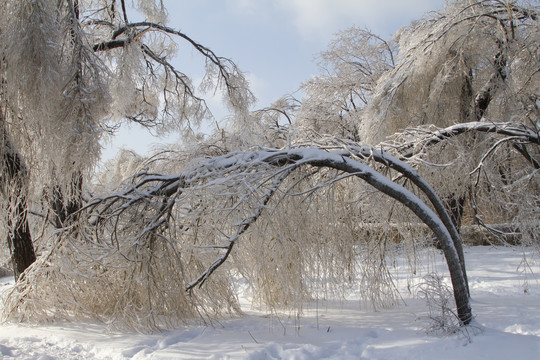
pixel 472 61
pixel 351 66
pixel 72 72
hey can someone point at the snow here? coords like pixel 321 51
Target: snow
pixel 505 300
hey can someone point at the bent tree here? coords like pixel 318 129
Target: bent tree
pixel 292 217
pixel 189 226
pixel 343 161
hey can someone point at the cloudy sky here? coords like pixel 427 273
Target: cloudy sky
pixel 274 41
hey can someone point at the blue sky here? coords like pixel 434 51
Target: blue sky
pixel 274 42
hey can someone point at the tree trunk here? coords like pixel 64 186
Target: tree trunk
pixel 14 189
pixel 65 209
pixel 20 239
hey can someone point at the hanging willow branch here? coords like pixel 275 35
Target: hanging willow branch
pixel 243 226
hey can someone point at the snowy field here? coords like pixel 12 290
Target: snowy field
pixel 505 302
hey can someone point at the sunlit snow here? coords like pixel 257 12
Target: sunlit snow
pixel 505 301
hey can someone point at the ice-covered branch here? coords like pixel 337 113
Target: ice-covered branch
pixel 229 74
pixel 425 139
pixel 243 226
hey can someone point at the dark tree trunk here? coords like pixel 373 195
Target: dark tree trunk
pixel 65 209
pixel 20 239
pixel 14 189
pixel 455 206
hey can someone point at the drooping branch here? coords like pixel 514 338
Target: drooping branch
pixel 243 226
pixel 179 76
pixel 221 63
pixel 165 186
pixel 178 101
pixel 206 52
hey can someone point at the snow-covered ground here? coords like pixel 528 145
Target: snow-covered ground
pixel 505 301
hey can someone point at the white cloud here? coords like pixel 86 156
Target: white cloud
pixel 257 84
pixel 256 9
pixel 325 17
pixel 320 19
pixel 313 15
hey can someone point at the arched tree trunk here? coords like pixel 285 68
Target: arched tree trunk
pixel 343 161
pixel 410 173
pixel 424 213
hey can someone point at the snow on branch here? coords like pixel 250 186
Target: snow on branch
pixel 242 228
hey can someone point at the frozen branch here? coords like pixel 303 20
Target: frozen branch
pixel 242 228
pixel 518 131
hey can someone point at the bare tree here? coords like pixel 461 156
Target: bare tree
pixel 351 66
